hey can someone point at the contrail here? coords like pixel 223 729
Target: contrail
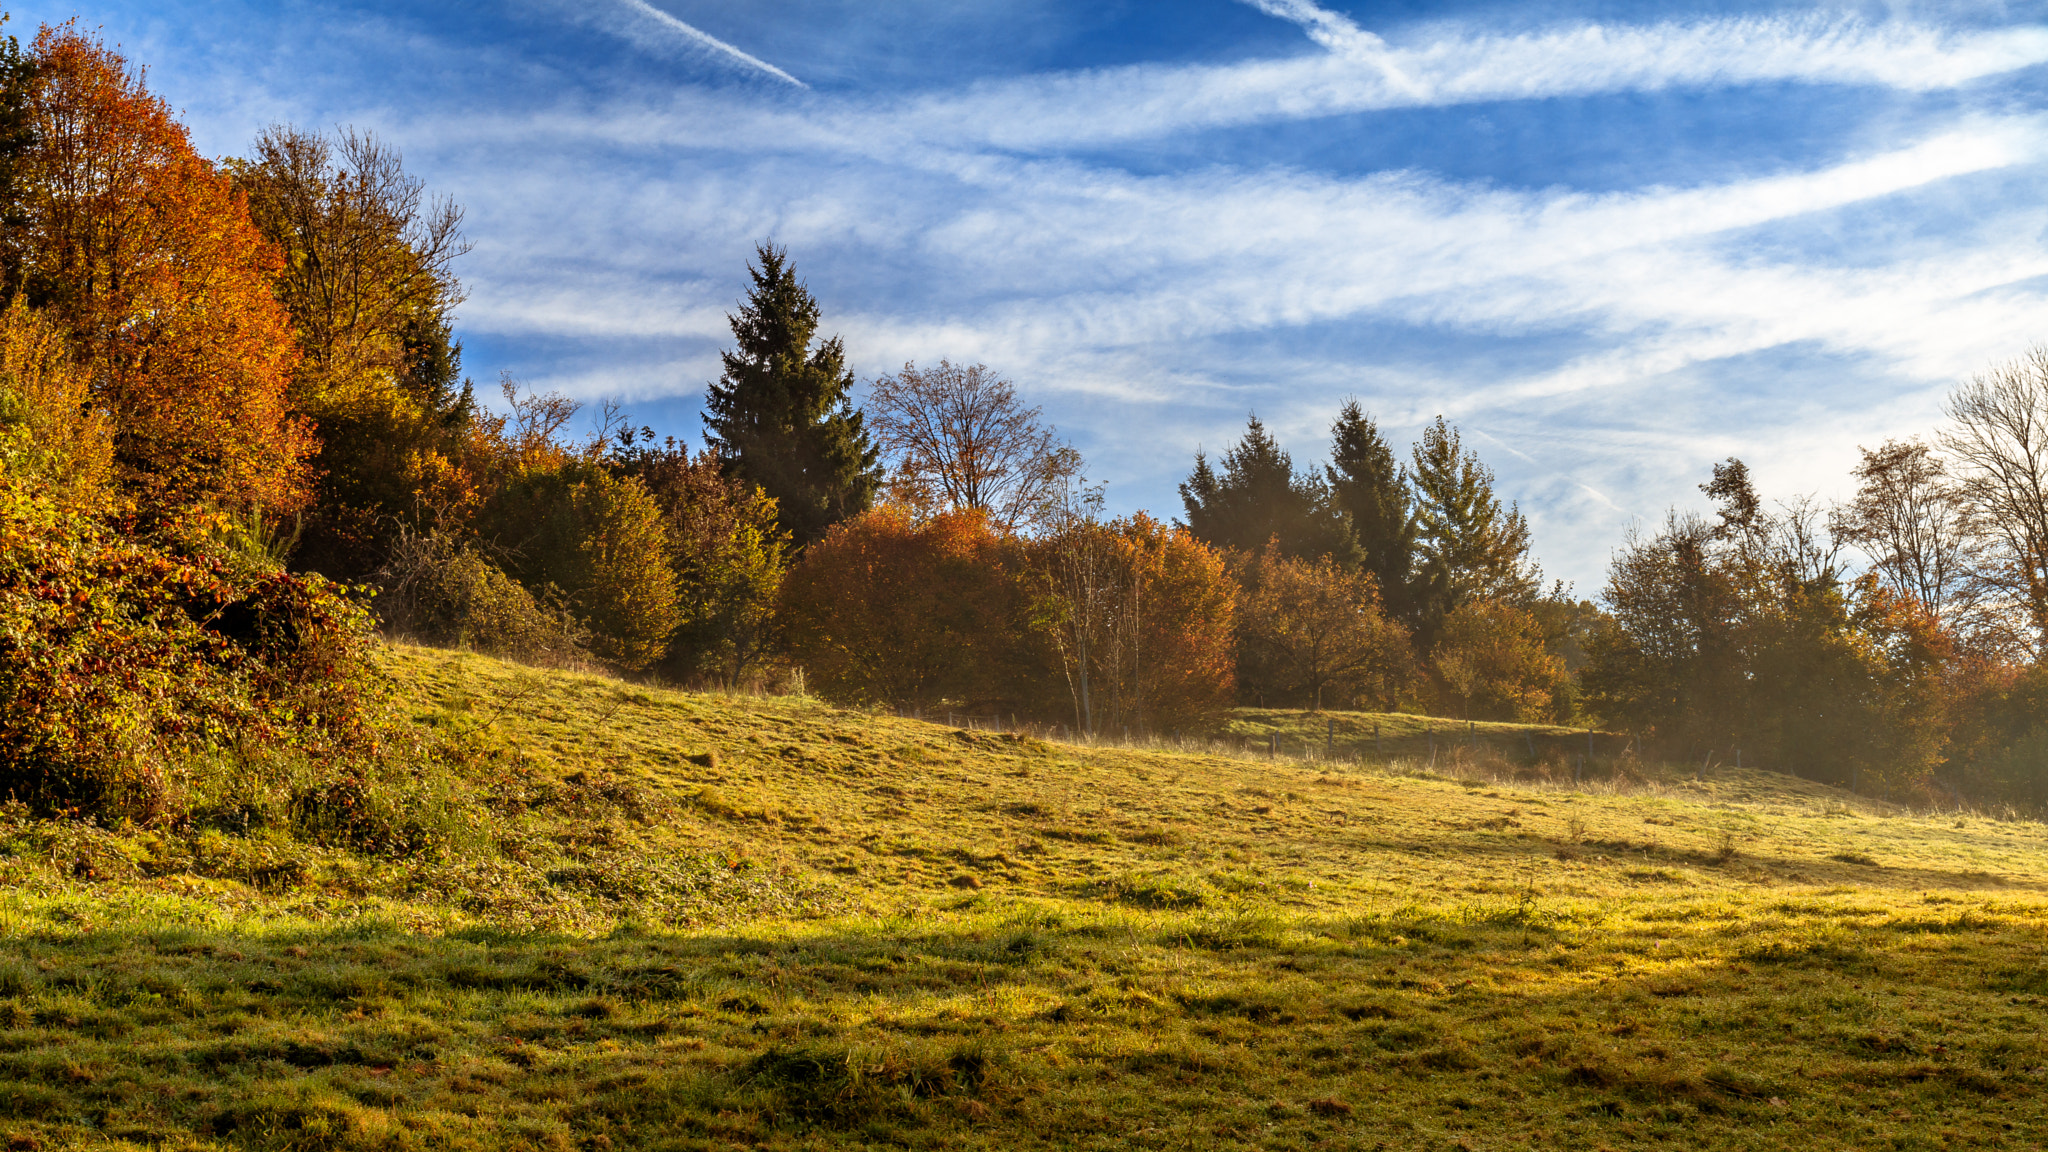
pixel 1341 35
pixel 1333 30
pixel 709 41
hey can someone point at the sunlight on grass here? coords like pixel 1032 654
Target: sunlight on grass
pixel 847 930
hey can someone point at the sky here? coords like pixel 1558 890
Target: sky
pixel 1611 242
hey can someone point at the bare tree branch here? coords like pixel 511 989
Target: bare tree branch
pixel 960 438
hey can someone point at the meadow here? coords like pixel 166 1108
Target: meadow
pixel 582 913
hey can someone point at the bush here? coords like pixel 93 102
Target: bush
pixel 119 657
pixel 1490 664
pixel 728 555
pixel 441 591
pixel 600 539
pixel 887 610
pixel 398 818
pixel 50 431
pixel 1142 614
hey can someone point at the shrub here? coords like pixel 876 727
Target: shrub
pixel 442 591
pixel 117 657
pixel 1490 664
pixel 50 430
pixel 728 555
pixel 1139 618
pixel 1313 630
pixel 600 539
pixel 888 610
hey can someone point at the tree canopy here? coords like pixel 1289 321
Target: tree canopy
pixel 1468 544
pixel 1257 498
pixel 1368 487
pixel 780 416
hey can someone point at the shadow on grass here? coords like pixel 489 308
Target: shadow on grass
pixel 1025 1028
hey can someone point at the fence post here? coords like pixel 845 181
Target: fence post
pixel 1330 747
pixel 1273 746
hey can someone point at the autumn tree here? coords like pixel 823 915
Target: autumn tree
pixel 1139 616
pixel 1674 664
pixel 599 541
pixel 53 434
pixel 1258 497
pixel 889 610
pixel 1491 661
pixel 146 255
pixel 1182 675
pixel 779 416
pixel 575 530
pixel 1743 633
pixel 368 280
pixel 1313 628
pixel 729 557
pixel 960 438
pixel 1998 434
pixel 1468 544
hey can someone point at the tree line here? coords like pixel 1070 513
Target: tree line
pixel 235 436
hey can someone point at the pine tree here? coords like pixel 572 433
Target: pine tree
pixel 1467 545
pixel 1258 498
pixel 779 415
pixel 1368 487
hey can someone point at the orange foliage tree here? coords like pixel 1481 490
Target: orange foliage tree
pixel 886 610
pixel 1313 631
pixel 1139 615
pixel 1490 663
pixel 146 254
pixel 1182 676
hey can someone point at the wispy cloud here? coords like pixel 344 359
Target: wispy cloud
pixel 1362 73
pixel 706 41
pixel 1779 304
pixel 1153 310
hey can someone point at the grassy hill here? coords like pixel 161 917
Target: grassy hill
pixel 585 914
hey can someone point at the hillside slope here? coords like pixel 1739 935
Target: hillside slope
pixel 693 921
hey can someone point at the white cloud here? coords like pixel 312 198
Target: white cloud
pixel 1362 73
pixel 1611 343
pixel 1150 312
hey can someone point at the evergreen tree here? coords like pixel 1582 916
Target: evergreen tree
pixel 1258 498
pixel 1467 545
pixel 1368 488
pixel 779 417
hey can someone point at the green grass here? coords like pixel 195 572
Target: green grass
pixel 664 920
pixel 1377 737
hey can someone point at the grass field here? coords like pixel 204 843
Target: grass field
pixel 1374 737
pixel 636 918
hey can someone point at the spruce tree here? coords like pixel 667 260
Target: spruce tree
pixel 1368 487
pixel 1467 544
pixel 779 416
pixel 1258 498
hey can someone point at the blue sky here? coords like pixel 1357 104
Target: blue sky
pixel 1613 242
